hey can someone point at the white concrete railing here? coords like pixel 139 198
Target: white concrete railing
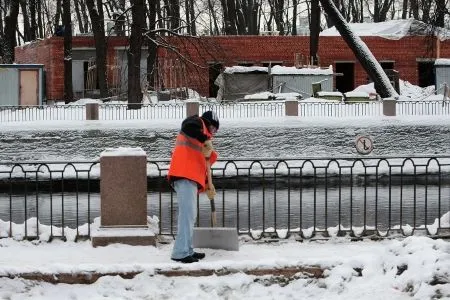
pixel 224 110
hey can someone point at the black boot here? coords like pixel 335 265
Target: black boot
pixel 198 255
pixel 186 260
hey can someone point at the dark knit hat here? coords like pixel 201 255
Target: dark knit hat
pixel 212 118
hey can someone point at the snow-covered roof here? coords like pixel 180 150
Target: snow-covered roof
pixel 442 62
pixel 242 69
pixel 393 29
pixel 280 70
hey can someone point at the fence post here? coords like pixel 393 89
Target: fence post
pixel 192 108
pixel 92 111
pixel 123 199
pixel 389 107
pixel 291 107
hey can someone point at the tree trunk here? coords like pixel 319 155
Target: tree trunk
pixel 151 43
pixel 191 11
pixel 134 54
pixel 98 27
pixel 33 27
pixel 67 20
pixel 362 53
pixel 415 8
pixel 441 11
pixel 1 19
pixel 58 13
pixel 84 15
pixel 40 25
pixel 231 22
pixel 405 9
pixel 213 19
pixel 277 7
pixel 175 15
pixel 26 21
pixel 78 14
pixel 9 39
pixel 294 17
pixel 314 32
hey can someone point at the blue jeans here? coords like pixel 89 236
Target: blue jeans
pixel 187 212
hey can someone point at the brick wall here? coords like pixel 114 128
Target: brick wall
pixel 232 50
pixel 176 71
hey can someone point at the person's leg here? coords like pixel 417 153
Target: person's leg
pixel 187 210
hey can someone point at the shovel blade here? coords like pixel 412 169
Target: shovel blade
pixel 225 238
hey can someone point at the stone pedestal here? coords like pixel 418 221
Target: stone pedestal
pixel 291 107
pixel 123 196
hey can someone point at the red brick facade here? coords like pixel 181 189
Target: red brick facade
pixel 176 71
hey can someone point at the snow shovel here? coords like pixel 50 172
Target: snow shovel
pixel 213 206
pixel 213 237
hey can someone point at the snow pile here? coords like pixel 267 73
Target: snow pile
pixel 392 29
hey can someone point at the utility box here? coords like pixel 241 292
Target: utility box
pixel 21 84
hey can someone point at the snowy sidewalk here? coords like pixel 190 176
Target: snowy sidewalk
pixel 393 269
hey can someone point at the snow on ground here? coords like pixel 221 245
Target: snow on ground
pixel 410 268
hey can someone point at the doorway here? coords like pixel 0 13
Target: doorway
pixel 346 82
pixel 214 72
pixel 425 71
pixel 29 87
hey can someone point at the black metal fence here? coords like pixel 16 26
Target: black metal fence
pixel 277 198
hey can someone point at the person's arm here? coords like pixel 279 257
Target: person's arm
pixel 193 127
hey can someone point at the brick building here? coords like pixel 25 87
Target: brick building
pixel 200 59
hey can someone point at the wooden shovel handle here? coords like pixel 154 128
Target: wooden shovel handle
pixel 213 206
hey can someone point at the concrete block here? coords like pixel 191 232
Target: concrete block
pixel 135 236
pixel 91 111
pixel 225 238
pixel 389 107
pixel 192 108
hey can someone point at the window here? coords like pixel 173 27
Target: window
pixel 271 63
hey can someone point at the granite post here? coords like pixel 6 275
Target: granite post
pixel 123 197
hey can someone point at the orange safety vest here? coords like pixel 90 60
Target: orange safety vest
pixel 188 160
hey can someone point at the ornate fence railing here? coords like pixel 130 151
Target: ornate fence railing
pixel 302 197
pixel 225 110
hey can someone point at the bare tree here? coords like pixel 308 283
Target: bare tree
pixel 276 9
pixel 151 43
pixel 26 21
pixel 33 24
pixel 40 23
pixel 98 27
pixel 362 53
pixel 58 13
pixel 67 20
pixel 381 9
pixel 314 31
pixel 9 36
pixel 134 54
pixel 212 19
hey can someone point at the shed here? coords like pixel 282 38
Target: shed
pixel 236 82
pixel 21 84
pixel 442 69
pixel 300 80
